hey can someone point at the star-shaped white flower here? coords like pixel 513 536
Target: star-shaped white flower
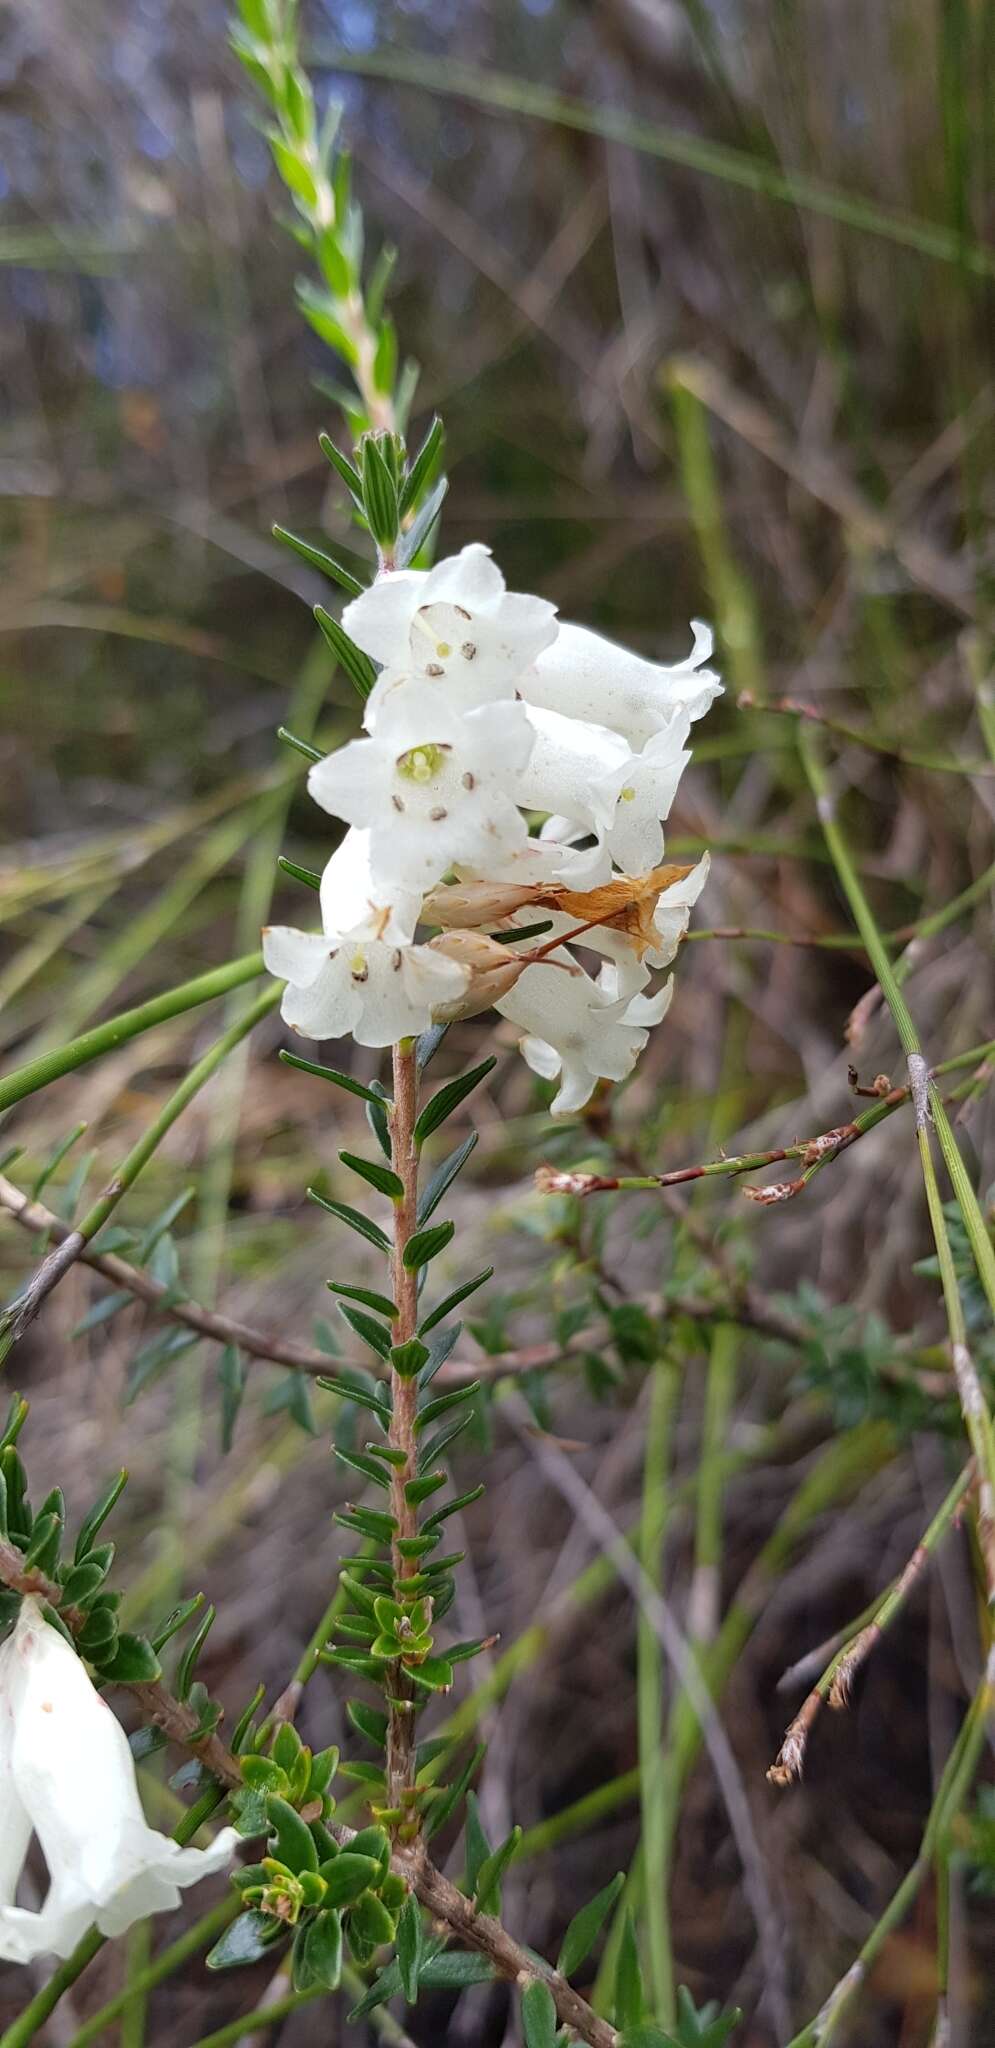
pixel 433 786
pixel 360 975
pixel 584 676
pixel 454 625
pixel 67 1775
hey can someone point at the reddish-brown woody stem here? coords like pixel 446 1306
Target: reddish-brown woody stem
pixel 404 1402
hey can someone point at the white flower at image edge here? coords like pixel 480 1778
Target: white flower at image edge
pixel 433 786
pixel 67 1775
pixel 588 677
pixel 576 1031
pixel 455 625
pixel 360 975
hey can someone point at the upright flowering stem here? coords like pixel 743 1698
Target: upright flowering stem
pixel 404 1402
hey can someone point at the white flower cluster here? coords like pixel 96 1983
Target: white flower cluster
pixel 487 708
pixel 67 1775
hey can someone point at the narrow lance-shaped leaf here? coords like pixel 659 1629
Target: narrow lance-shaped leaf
pixel 318 559
pixel 443 1177
pixel 304 747
pixel 339 1080
pixel 367 1295
pixel 372 1333
pixel 538 2015
pixel 94 1521
pixel 586 1925
pixel 426 1244
pixel 308 876
pixel 423 466
pixel 375 1175
pixel 488 1889
pixel 453 1300
pixel 410 1946
pixel 630 1998
pixel 357 665
pixel 357 1222
pixel 188 1662
pixel 347 1390
pixel 448 1098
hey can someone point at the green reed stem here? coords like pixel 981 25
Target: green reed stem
pixel 521 96
pixel 665 1384
pixel 955 1781
pixel 926 1103
pixel 261 2016
pixel 50 1066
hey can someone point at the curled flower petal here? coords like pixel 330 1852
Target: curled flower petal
pixel 584 676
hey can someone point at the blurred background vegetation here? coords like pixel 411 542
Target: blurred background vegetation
pixel 704 295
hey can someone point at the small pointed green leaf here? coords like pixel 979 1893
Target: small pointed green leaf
pixel 318 559
pixel 372 1333
pixel 443 1177
pixel 381 1303
pixel 488 1886
pixel 585 1927
pixel 630 1998
pixel 410 1941
pixel 293 1842
pixel 408 1359
pixel 357 665
pixel 308 876
pixel 448 1098
pixel 426 1245
pixel 538 2015
pixel 316 1957
pixel 357 1222
pixel 346 1081
pixel 375 1175
pixel 453 1300
pixel 245 1941
pixel 134 1663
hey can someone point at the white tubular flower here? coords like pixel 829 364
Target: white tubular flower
pixel 69 1772
pixel 360 975
pixel 575 769
pixel 433 786
pixel 590 779
pixel 574 1030
pixel 454 625
pixel 587 677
